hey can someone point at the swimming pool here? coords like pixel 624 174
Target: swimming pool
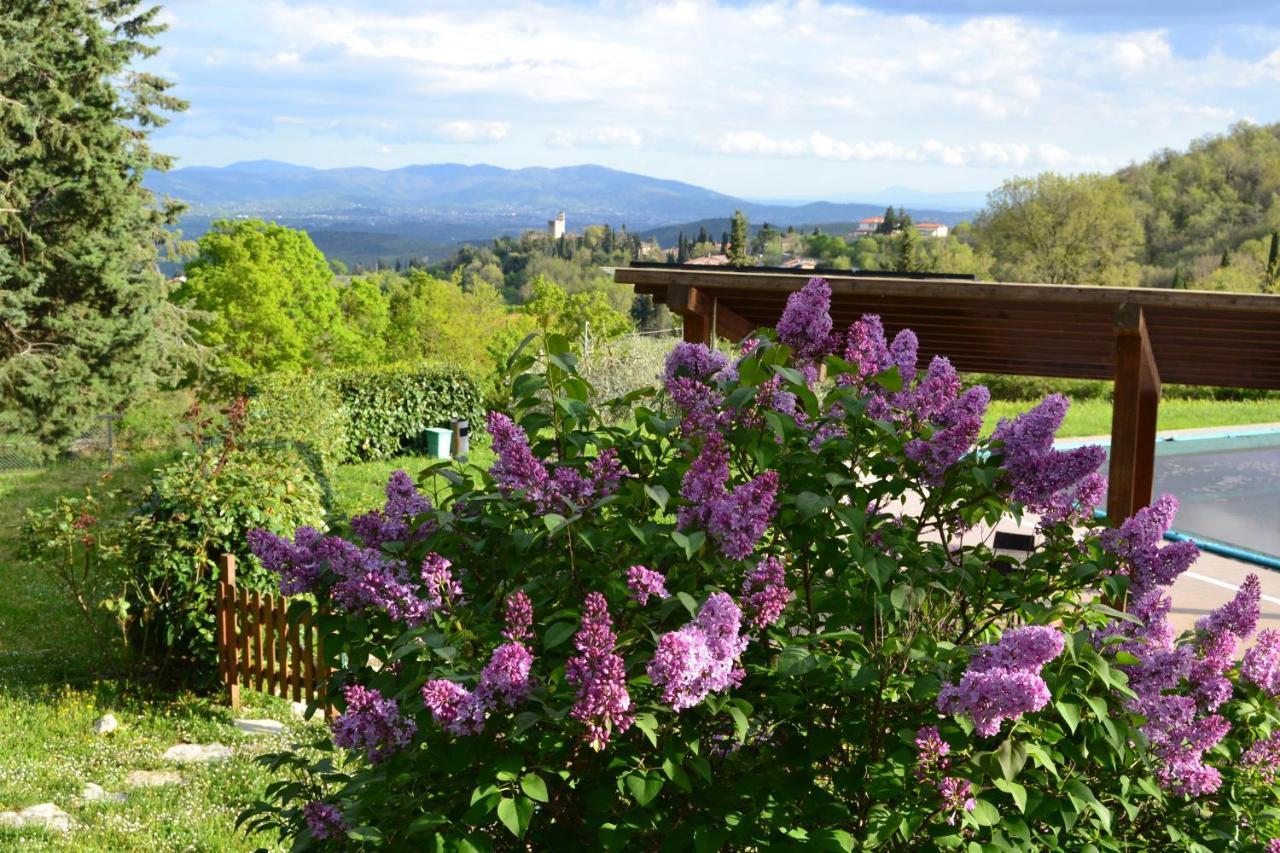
pixel 1228 487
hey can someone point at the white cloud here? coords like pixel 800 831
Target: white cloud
pixel 607 136
pixel 821 146
pixel 665 86
pixel 474 131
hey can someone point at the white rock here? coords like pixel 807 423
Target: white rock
pixel 152 778
pixel 105 724
pixel 45 816
pixel 260 727
pixel 93 791
pixel 299 709
pixel 197 753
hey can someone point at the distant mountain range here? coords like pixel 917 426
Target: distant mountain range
pixel 427 209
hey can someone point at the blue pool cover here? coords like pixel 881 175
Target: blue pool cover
pixel 1227 486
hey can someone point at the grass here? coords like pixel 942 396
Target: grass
pixel 358 487
pixel 52 689
pixel 55 681
pixel 1093 417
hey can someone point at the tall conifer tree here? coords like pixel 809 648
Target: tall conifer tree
pixel 86 325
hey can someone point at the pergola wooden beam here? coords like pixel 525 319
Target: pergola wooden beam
pixel 702 311
pixel 1069 331
pixel 1133 417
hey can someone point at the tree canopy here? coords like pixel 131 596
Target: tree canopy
pixel 270 299
pixel 85 323
pixel 1062 230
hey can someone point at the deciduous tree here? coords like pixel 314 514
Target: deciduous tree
pixel 1059 229
pixel 270 299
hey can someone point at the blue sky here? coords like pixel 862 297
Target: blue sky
pixel 783 98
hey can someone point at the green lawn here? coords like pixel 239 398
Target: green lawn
pixel 53 685
pixel 1093 417
pixel 52 689
pixel 358 487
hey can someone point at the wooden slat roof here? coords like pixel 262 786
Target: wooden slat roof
pixel 1198 337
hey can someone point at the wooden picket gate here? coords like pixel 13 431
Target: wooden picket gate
pixel 258 647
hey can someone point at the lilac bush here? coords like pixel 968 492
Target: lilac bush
pixel 764 613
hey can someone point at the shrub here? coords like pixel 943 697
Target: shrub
pixel 303 413
pixel 619 367
pixel 390 407
pixel 196 509
pixel 768 617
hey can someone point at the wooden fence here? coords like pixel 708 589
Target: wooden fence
pixel 259 648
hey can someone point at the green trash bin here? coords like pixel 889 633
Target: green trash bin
pixel 438 441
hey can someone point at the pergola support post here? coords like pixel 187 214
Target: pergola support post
pixel 702 314
pixel 1133 417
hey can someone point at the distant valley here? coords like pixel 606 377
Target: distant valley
pixel 361 214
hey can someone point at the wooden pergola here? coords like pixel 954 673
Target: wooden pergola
pixel 1137 338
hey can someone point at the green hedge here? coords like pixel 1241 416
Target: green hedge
pixel 1003 387
pixel 390 407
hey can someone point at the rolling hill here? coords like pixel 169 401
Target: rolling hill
pixel 426 209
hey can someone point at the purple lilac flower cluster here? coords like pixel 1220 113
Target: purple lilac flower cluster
pixel 372 723
pixel 702 657
pixel 1002 681
pixel 363 579
pixel 956 794
pixel 931 753
pixel 645 583
pixel 690 375
pixel 1137 543
pixel 865 349
pixel 505 679
pixel 1178 687
pixel 1264 756
pixel 806 325
pixel 956 428
pixel 765 593
pixel 603 703
pixel 519 618
pixel 931 761
pixel 1261 664
pixel 1057 484
pixel 394 522
pixel 558 490
pixel 325 821
pixel 438 583
pixel 734 519
pixel 696 361
pixel 297 562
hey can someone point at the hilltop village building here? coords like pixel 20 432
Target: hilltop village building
pixel 871 225
pixel 556 227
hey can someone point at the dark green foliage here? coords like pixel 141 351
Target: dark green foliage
pixel 909 255
pixel 1273 260
pixel 739 239
pixel 888 223
pixel 199 507
pixel 85 323
pixel 390 407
